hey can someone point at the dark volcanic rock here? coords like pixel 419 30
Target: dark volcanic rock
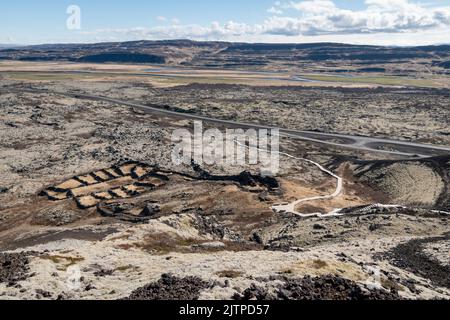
pixel 330 288
pixel 210 225
pixel 170 288
pixel 150 210
pixel 318 227
pixel 245 178
pixel 320 288
pixel 103 272
pixel 13 267
pixel 410 256
pixel 254 292
pixel 264 196
pixel 43 294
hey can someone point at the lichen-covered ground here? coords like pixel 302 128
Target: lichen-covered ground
pixel 205 237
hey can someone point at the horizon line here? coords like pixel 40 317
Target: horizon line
pixel 5 45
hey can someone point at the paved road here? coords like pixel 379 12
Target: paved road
pixel 386 146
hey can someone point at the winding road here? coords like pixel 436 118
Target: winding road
pixel 369 144
pixel 378 145
pixel 401 148
pixel 337 212
pixel 291 207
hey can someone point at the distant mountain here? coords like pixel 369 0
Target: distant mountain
pixel 122 58
pixel 236 55
pixel 445 64
pixel 6 46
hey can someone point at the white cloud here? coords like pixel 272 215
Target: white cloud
pixel 315 20
pixel 324 17
pixel 314 7
pixel 165 19
pixel 275 10
pixel 279 8
pixel 391 5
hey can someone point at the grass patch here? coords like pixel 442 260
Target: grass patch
pixel 121 237
pixel 165 243
pixel 126 268
pixel 58 76
pixel 32 76
pixel 65 261
pixel 381 80
pixel 319 264
pixel 201 80
pixel 231 274
pixel 390 285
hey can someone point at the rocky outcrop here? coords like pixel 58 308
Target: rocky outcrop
pixel 14 267
pixel 245 178
pixel 326 287
pixel 170 288
pixel 411 256
pixel 150 210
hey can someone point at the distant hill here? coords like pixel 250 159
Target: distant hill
pixel 122 58
pixel 366 58
pixel 6 46
pixel 445 64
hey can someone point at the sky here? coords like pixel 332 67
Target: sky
pixel 381 22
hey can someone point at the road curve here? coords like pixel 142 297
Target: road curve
pixel 378 145
pixel 291 208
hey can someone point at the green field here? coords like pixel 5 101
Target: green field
pixel 381 80
pixel 212 79
pixel 49 76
